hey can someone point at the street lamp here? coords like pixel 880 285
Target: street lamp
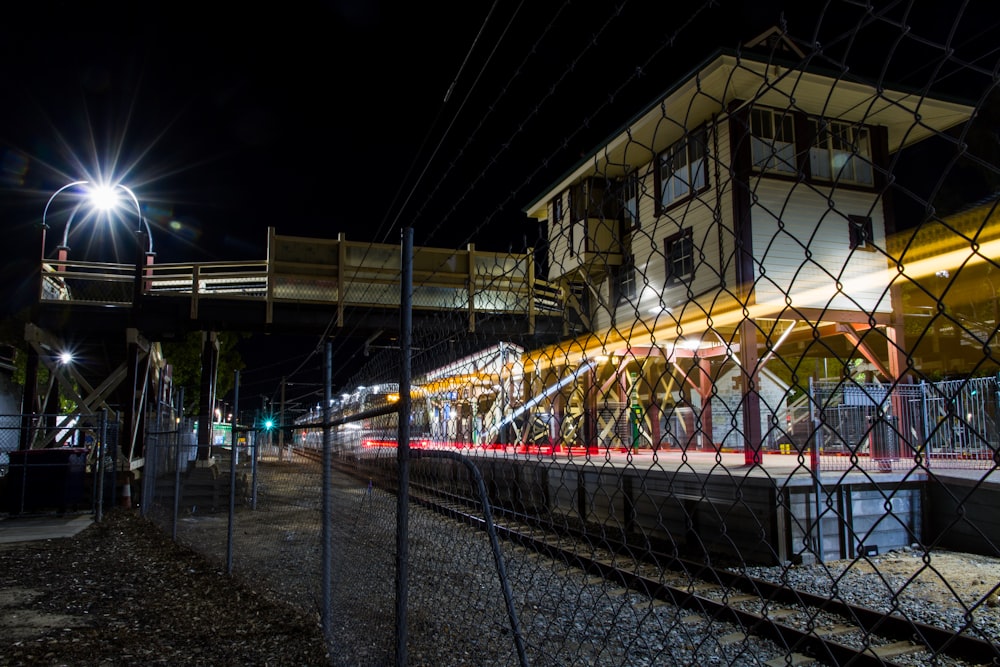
pixel 102 198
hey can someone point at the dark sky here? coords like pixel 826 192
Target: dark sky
pixel 324 117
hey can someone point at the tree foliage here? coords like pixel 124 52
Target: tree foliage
pixel 184 357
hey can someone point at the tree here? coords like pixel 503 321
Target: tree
pixel 184 357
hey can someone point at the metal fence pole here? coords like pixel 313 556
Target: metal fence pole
pixel 232 471
pixel 327 529
pixel 182 456
pixel 817 440
pixel 254 454
pixel 102 439
pixel 403 444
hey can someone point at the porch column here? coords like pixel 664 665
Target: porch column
pixel 751 395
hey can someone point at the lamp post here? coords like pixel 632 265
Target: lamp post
pixel 102 198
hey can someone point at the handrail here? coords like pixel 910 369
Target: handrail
pixel 276 281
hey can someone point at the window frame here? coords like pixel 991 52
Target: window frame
pixel 860 233
pixel 693 149
pixel 671 245
pixel 772 160
pixel 631 196
pixel 624 283
pixel 833 138
pixel 557 208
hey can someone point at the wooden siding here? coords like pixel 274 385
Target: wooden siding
pixel 801 247
pixel 712 240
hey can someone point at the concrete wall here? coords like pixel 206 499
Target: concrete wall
pixel 962 516
pixel 727 518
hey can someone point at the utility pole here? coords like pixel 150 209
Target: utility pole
pixel 281 420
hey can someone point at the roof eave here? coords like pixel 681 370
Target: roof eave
pixel 727 78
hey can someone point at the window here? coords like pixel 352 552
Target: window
pixel 683 169
pixel 772 140
pixel 860 231
pixel 679 250
pixel 630 201
pixel 579 204
pixel 557 210
pixel 592 198
pixel 624 280
pixel 840 152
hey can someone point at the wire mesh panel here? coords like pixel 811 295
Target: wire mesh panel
pixel 69 465
pixel 735 404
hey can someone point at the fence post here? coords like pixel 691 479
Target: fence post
pixel 403 443
pixel 925 423
pixel 102 439
pixel 232 471
pixel 814 449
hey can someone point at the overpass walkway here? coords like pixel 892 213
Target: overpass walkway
pixel 110 312
pixel 305 285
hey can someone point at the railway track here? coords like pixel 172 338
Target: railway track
pixel 816 628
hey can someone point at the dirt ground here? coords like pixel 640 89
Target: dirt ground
pixel 122 593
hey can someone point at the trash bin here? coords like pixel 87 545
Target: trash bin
pixel 45 479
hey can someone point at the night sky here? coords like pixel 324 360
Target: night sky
pixel 324 117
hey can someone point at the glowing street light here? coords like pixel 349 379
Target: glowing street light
pixel 101 197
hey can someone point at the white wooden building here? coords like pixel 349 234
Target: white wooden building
pixel 750 203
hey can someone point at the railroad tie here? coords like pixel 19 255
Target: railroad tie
pixel 780 612
pixel 834 630
pixel 793 660
pixel 895 649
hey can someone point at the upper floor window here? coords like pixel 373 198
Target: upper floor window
pixel 624 280
pixel 772 140
pixel 860 232
pixel 841 152
pixel 590 198
pixel 557 209
pixel 679 252
pixel 683 169
pixel 630 200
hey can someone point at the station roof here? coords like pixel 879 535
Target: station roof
pixel 729 80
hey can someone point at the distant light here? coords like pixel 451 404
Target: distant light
pixel 66 357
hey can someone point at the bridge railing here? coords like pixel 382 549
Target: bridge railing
pixel 322 271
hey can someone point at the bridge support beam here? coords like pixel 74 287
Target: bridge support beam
pixel 209 371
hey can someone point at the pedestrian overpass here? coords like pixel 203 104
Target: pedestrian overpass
pixel 114 313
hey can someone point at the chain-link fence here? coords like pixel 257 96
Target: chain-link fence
pixel 58 462
pixel 759 426
pixel 775 365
